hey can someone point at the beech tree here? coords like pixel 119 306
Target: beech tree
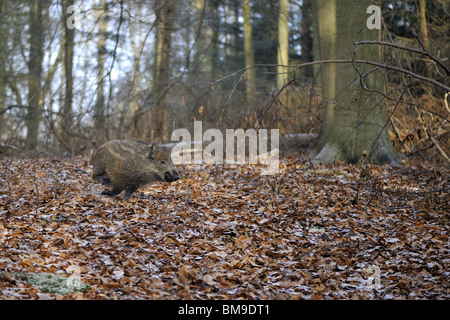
pixel 99 108
pixel 38 13
pixel 355 120
pixel 165 17
pixel 283 43
pixel 68 43
pixel 248 49
pixel 4 34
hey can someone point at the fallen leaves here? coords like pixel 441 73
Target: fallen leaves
pixel 228 233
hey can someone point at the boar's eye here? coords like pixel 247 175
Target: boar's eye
pixel 163 162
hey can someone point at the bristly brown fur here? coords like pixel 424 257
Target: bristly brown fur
pixel 130 164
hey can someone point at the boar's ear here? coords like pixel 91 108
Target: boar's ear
pixel 153 150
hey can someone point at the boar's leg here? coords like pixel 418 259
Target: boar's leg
pixel 128 192
pixel 104 180
pixel 99 174
pixel 111 192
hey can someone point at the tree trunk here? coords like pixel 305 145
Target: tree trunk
pixel 354 120
pixel 213 7
pixel 134 94
pixel 69 33
pixel 424 32
pixel 99 108
pixel 423 23
pixel 283 43
pixel 137 44
pixel 4 34
pixel 202 41
pixel 38 22
pixel 306 41
pixel 162 63
pixel 248 50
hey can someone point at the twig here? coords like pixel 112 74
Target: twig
pixel 415 212
pixel 275 98
pixel 211 84
pixel 232 90
pixel 445 102
pixel 6 108
pixel 390 116
pixel 439 148
pixel 164 210
pixel 368 202
pixel 424 52
pixel 382 65
pixel 114 52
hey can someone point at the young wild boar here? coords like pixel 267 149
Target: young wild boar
pixel 130 164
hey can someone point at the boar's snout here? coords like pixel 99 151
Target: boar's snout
pixel 170 176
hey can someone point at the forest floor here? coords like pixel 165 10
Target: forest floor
pixel 310 232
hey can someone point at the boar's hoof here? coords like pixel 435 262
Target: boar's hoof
pixel 128 192
pixel 111 192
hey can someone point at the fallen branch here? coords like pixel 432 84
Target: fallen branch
pixel 6 145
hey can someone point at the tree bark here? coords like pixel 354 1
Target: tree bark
pixel 306 41
pixel 200 61
pixel 354 120
pixel 38 21
pixel 133 106
pixel 283 43
pixel 4 34
pixel 423 23
pixel 68 42
pixel 424 32
pixel 99 108
pixel 162 62
pixel 248 50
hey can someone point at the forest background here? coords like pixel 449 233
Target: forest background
pixel 75 74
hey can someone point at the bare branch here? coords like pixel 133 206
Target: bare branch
pixel 439 148
pixel 12 107
pixel 393 45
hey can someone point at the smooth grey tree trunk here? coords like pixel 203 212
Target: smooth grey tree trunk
pixel 354 120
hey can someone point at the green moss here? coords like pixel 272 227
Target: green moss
pixel 50 283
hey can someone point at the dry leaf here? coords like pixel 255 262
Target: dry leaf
pixel 227 232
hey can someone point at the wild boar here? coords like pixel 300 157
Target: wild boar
pixel 130 164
